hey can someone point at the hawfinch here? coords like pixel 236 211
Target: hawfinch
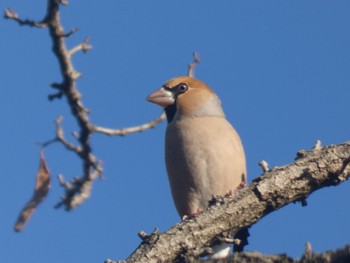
pixel 203 152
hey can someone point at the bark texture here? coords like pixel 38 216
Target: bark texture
pixel 187 240
pixel 341 255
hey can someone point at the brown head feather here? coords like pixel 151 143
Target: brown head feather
pixel 198 99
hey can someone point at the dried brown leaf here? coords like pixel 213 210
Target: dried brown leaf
pixel 42 186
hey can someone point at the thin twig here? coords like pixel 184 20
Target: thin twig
pixel 61 138
pixel 71 32
pixel 84 46
pixel 194 63
pixel 125 131
pixel 10 14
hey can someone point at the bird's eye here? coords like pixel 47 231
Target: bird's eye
pixel 182 88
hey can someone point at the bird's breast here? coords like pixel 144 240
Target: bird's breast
pixel 204 156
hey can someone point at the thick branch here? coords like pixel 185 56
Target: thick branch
pixel 332 256
pixel 311 171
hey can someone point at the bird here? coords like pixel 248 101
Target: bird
pixel 204 155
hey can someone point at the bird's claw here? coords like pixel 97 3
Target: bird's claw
pixel 192 214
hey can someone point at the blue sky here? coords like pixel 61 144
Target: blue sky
pixel 281 69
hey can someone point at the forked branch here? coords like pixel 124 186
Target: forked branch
pixel 78 189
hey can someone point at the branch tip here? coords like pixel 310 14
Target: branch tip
pixel 308 248
pixel 57 95
pixel 317 145
pixel 193 64
pixel 264 166
pixel 58 86
pixel 83 46
pixel 142 235
pixel 63 2
pixel 10 14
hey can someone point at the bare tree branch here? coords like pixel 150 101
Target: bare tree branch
pixel 340 255
pixel 84 46
pixel 68 88
pixel 194 63
pixel 78 189
pixel 311 171
pixel 61 138
pixel 125 131
pixel 10 14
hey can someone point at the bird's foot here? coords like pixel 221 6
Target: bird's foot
pixel 232 191
pixel 229 192
pixel 242 185
pixel 192 214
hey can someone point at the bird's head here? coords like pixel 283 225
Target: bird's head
pixel 186 97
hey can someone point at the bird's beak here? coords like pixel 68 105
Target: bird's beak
pixel 161 97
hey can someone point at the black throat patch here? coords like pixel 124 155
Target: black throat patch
pixel 170 112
